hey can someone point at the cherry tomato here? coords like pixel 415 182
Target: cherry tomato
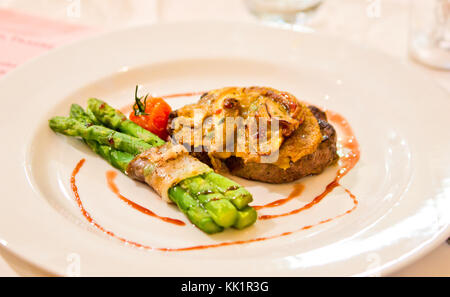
pixel 157 115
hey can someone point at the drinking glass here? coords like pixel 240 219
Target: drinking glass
pixel 284 11
pixel 429 40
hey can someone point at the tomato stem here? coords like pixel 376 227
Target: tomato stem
pixel 139 107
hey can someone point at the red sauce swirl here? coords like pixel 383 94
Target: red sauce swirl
pixel 110 178
pixel 296 192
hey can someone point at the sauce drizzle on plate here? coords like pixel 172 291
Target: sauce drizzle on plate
pixel 296 192
pixel 111 177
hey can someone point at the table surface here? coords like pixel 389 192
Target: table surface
pixel 385 30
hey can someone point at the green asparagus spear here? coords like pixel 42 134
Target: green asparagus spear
pixel 222 210
pixel 238 195
pixel 195 212
pixel 103 135
pixel 246 218
pixel 92 117
pixel 118 159
pixel 116 120
pixel 77 112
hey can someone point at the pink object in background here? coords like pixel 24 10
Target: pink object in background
pixel 23 37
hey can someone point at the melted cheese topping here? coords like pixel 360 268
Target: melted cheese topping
pixel 249 123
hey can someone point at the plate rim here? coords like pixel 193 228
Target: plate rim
pixel 422 250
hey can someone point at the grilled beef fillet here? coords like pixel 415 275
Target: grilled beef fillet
pixel 311 164
pixel 306 150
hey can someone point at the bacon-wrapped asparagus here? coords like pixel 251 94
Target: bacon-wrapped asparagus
pixel 210 201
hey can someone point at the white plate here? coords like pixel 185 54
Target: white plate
pixel 402 180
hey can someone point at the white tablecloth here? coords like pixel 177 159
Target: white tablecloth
pixel 382 24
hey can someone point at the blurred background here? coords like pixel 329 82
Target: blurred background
pixel 396 27
pixel 416 32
